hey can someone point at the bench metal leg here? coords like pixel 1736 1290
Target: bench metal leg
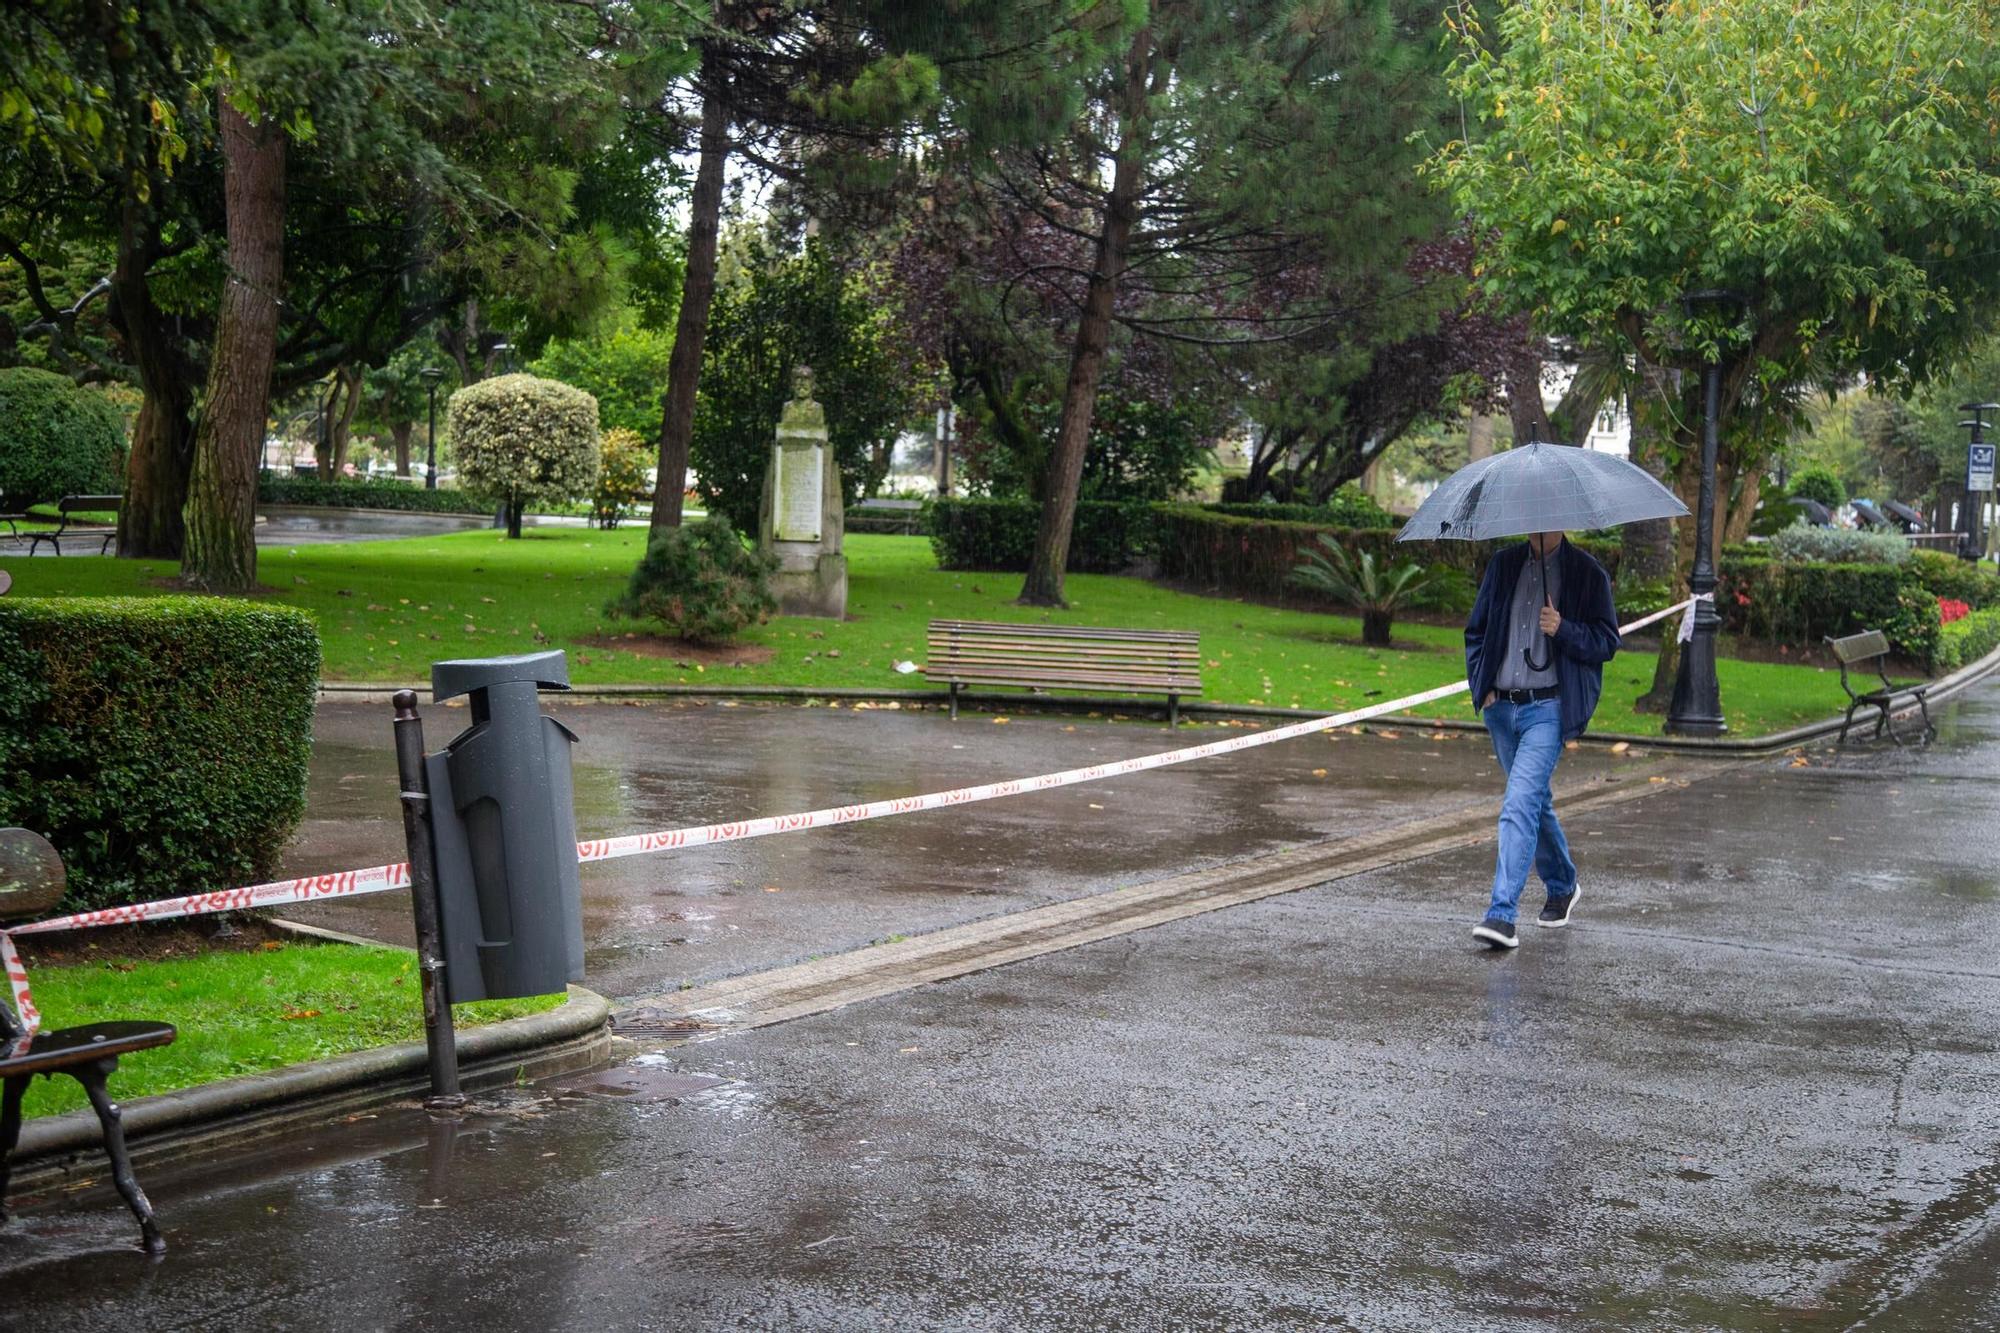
pixel 10 1130
pixel 1883 724
pixel 92 1077
pixel 954 701
pixel 1173 711
pixel 1847 722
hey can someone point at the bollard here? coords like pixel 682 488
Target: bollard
pixel 440 1041
pixel 510 907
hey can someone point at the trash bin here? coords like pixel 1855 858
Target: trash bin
pixel 504 828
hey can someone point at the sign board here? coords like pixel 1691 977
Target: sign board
pixel 1979 467
pixel 801 473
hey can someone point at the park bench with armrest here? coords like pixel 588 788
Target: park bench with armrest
pixel 70 522
pixel 31 882
pixel 1861 651
pixel 1066 657
pixel 9 505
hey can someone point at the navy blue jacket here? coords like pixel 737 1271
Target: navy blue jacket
pixel 1586 640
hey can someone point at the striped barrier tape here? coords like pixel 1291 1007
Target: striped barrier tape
pixel 381 879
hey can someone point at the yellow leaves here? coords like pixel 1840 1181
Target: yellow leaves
pixel 1558 227
pixel 1874 308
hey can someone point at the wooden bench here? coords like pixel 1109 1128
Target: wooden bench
pixel 1861 650
pixel 1066 657
pixel 8 505
pixel 67 522
pixel 31 882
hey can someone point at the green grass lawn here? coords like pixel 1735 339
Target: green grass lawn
pixel 243 1012
pixel 387 609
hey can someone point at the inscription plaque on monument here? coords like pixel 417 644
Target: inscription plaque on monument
pixel 799 482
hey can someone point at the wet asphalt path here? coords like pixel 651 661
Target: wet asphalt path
pixel 1755 1087
pixel 653 922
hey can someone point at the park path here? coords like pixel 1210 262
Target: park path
pixel 1754 1087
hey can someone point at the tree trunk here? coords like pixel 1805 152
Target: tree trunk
pixel 1479 437
pixel 399 431
pixel 1044 584
pixel 336 421
pixel 697 291
pixel 1375 627
pixel 514 511
pixel 156 468
pixel 221 550
pixel 1525 410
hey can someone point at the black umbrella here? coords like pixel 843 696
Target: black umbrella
pixel 1815 513
pixel 1911 520
pixel 1869 515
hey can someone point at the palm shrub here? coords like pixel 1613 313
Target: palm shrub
pixel 522 440
pixel 1378 590
pixel 701 582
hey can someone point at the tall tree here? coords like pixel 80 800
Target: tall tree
pixel 1834 167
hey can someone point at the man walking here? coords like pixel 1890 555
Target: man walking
pixel 1535 649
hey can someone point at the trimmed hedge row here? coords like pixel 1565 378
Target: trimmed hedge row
pixel 1967 639
pixel 1000 535
pixel 1804 603
pixel 160 743
pixel 276 489
pixel 1975 584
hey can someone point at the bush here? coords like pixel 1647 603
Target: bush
pixel 1248 557
pixel 1804 603
pixel 1975 584
pixel 522 440
pixel 1348 507
pixel 1967 639
pixel 57 439
pixel 1821 484
pixel 274 488
pixel 1840 546
pixel 1000 534
pixel 621 477
pixel 701 582
pixel 160 743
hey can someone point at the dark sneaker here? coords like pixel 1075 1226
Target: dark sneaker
pixel 1556 912
pixel 1496 933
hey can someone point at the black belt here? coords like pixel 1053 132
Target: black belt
pixel 1535 695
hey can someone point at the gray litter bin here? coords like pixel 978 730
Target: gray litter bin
pixel 504 825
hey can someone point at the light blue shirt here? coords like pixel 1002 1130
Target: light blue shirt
pixel 1524 628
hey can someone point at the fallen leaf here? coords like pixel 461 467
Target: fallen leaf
pixel 290 1014
pixel 1621 747
pixel 272 944
pixel 1001 721
pixel 1319 772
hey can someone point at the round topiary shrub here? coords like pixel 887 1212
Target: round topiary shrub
pixel 523 440
pixel 701 582
pixel 1821 484
pixel 56 439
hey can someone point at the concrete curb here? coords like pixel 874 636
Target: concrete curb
pixel 572 1036
pixel 1941 689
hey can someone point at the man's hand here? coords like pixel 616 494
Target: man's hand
pixel 1491 695
pixel 1551 620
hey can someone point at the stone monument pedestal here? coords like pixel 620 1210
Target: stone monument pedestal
pixel 802 519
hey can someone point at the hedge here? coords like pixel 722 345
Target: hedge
pixel 1975 584
pixel 56 439
pixel 160 743
pixel 1804 603
pixel 1000 534
pixel 1348 508
pixel 277 489
pixel 1967 639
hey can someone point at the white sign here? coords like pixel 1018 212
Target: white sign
pixel 1979 467
pixel 801 475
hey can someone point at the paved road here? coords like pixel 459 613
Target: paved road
pixel 1755 1087
pixel 654 922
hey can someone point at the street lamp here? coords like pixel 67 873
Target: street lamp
pixel 1978 478
pixel 431 376
pixel 1697 706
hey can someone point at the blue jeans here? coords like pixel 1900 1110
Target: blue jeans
pixel 1527 738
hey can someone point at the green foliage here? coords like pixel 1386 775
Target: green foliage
pixel 1803 603
pixel 1848 546
pixel 1247 556
pixel 160 744
pixel 701 582
pixel 56 439
pixel 275 488
pixel 1821 484
pixel 1967 639
pixel 520 439
pixel 789 311
pixel 624 369
pixel 1348 507
pixel 1000 534
pixel 621 477
pixel 1377 591
pixel 1140 449
pixel 1975 583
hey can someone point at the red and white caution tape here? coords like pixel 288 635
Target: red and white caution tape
pixel 381 879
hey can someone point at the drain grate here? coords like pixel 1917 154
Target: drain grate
pixel 657 1023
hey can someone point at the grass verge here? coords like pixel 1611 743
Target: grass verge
pixel 387 609
pixel 242 1012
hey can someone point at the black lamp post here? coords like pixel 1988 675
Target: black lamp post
pixel 431 376
pixel 1978 478
pixel 1697 704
